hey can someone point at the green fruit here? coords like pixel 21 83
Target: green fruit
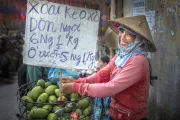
pixel 81 117
pixel 67 109
pixel 41 83
pixel 87 99
pixel 34 107
pixel 66 116
pixel 57 92
pixel 55 108
pixel 50 90
pixel 87 111
pixel 38 113
pixel 74 104
pixel 52 116
pixel 27 117
pixel 87 118
pixel 29 94
pixel 48 107
pixel 73 99
pixel 43 98
pixel 27 101
pixel 52 99
pixel 62 118
pixel 36 91
pixel 84 117
pixel 74 96
pixel 79 111
pixel 63 99
pixel 82 104
pixel 47 84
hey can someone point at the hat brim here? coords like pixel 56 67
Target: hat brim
pixel 149 45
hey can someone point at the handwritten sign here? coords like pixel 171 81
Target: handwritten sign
pixel 60 36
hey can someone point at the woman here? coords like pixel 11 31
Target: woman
pixel 102 105
pixel 126 78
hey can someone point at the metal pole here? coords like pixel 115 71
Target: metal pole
pixel 112 13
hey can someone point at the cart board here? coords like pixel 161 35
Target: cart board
pixel 60 36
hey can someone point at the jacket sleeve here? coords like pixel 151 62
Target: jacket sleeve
pixel 99 77
pixel 131 73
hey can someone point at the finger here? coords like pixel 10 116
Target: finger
pixel 64 81
pixel 70 81
pixel 63 88
pixel 65 78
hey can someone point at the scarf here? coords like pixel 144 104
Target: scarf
pixel 131 50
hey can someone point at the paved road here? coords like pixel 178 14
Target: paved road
pixel 8 101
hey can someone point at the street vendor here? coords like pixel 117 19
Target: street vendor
pixel 127 76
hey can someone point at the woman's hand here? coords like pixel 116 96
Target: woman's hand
pixel 67 87
pixel 67 80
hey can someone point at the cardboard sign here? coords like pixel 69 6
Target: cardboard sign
pixel 60 36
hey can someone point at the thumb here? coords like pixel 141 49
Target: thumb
pixel 64 80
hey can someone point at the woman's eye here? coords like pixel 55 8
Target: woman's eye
pixel 130 35
pixel 121 30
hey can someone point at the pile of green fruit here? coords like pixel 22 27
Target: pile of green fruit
pixel 41 103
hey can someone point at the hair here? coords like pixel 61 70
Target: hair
pixel 105 59
pixel 128 29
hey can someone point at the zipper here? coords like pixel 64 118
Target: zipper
pixel 123 111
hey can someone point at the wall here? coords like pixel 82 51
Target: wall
pixel 119 8
pixel 164 94
pixel 127 8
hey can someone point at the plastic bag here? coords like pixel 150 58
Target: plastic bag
pixel 54 74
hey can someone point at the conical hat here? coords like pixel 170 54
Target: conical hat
pixel 111 38
pixel 137 24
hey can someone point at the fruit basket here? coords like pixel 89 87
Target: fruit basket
pixel 38 101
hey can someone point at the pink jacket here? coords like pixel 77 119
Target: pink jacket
pixel 128 87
